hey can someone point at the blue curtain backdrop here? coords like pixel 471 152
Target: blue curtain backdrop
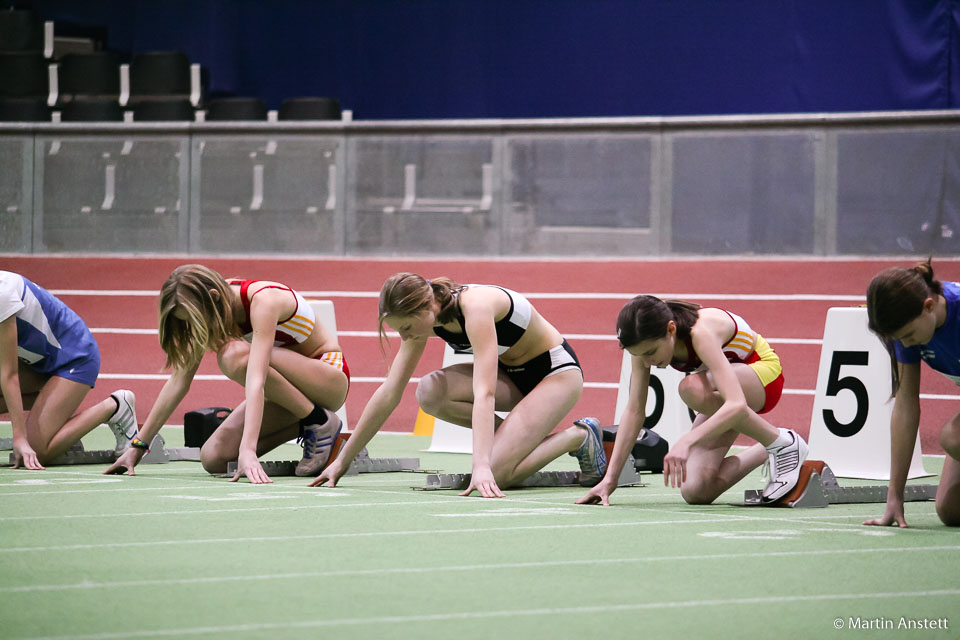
pixel 553 58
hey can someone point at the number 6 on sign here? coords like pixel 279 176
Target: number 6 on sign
pixel 850 426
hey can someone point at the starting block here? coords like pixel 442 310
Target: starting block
pixel 159 454
pixel 6 444
pixel 362 464
pixel 648 452
pixel 818 487
pixel 460 481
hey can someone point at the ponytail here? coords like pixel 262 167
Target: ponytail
pixel 895 298
pixel 647 317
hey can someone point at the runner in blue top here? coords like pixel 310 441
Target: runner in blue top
pixel 48 363
pixel 917 318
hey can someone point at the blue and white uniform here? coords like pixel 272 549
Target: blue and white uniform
pixel 509 331
pixel 942 353
pixel 51 337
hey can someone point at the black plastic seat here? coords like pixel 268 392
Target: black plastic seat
pixel 92 110
pixel 24 110
pixel 20 30
pixel 163 110
pixel 24 74
pixel 95 73
pixel 159 73
pixel 237 109
pixel 310 109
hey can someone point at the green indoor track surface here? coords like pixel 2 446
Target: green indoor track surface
pixel 176 553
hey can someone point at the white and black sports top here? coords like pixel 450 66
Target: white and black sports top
pixel 509 330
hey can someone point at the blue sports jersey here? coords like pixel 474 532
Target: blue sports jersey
pixel 942 353
pixel 51 337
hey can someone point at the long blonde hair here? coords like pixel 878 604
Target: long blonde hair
pixel 206 298
pixel 406 294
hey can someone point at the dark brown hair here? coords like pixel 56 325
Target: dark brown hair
pixel 647 317
pixel 895 298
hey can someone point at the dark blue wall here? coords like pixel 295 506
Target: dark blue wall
pixel 555 58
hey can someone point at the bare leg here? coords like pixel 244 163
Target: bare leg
pixel 30 384
pixel 278 426
pixel 710 471
pixel 521 446
pixel 294 381
pixel 447 394
pixel 948 493
pixel 50 428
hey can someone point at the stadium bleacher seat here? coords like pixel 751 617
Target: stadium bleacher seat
pixel 163 109
pixel 89 74
pixel 92 109
pixel 159 74
pixel 310 109
pixel 34 109
pixel 237 108
pixel 21 30
pixel 24 74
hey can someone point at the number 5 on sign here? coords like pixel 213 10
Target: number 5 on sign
pixel 850 426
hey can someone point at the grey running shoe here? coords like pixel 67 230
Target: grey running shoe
pixel 590 455
pixel 784 465
pixel 318 441
pixel 123 422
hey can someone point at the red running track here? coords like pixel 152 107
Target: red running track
pixel 588 322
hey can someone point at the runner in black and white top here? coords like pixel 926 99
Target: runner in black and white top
pixel 521 364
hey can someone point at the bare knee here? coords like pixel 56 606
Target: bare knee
pixel 696 394
pixel 697 492
pixel 232 359
pixel 950 439
pixel 432 392
pixel 949 513
pixel 213 460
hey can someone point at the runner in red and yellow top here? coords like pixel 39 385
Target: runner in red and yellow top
pixel 734 376
pixel 267 338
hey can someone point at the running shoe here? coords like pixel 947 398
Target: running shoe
pixel 123 422
pixel 590 455
pixel 317 441
pixel 784 466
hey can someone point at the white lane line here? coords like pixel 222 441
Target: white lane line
pixel 512 613
pixel 34 494
pixel 373 334
pixel 381 379
pixel 572 295
pixel 123 584
pixel 371 534
pixel 376 534
pixel 80 516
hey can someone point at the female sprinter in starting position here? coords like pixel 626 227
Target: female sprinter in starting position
pixel 267 339
pixel 49 361
pixel 918 318
pixel 521 364
pixel 734 376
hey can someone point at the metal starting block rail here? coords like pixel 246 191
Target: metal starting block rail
pixel 818 487
pixel 279 468
pixel 460 481
pixel 159 454
pixel 363 463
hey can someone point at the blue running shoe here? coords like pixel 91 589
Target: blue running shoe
pixel 590 455
pixel 318 441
